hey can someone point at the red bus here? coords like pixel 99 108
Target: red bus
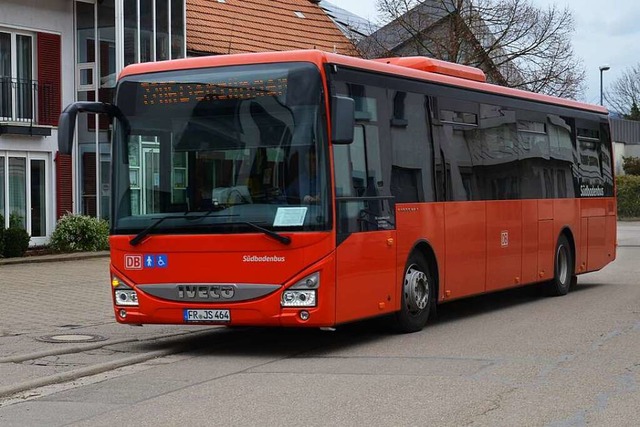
pixel 306 188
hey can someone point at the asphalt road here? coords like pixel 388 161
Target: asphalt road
pixel 515 358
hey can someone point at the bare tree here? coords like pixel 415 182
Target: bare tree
pixel 624 93
pixel 515 43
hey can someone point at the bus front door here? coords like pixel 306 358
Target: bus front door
pixel 366 235
pixel 366 261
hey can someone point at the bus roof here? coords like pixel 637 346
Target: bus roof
pixel 454 75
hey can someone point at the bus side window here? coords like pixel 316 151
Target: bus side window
pixel 563 152
pixel 411 149
pixel 589 149
pixel 605 159
pixel 457 121
pixel 362 168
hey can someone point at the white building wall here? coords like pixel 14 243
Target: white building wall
pixel 51 16
pixel 624 150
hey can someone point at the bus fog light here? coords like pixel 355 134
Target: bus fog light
pixel 123 313
pixel 304 315
pixel 127 297
pixel 299 298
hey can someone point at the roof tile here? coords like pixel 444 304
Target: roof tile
pixel 241 26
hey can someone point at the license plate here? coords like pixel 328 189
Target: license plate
pixel 208 316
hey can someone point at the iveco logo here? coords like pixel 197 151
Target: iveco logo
pixel 206 291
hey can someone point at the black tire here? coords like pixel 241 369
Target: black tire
pixel 417 293
pixel 563 268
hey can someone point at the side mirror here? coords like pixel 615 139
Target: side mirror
pixel 67 122
pixel 342 119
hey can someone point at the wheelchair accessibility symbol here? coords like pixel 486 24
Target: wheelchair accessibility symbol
pixel 162 261
pixel 156 261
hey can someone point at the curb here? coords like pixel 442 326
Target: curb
pixel 83 372
pixel 19 358
pixel 54 258
pixel 13 389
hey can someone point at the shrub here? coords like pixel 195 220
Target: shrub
pixel 631 165
pixel 16 242
pixel 80 233
pixel 16 220
pixel 628 193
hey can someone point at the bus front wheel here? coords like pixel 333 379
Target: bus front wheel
pixel 563 274
pixel 417 295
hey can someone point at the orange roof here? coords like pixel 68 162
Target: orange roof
pixel 243 26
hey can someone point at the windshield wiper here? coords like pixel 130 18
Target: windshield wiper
pixel 285 240
pixel 138 238
pixel 144 233
pixel 135 241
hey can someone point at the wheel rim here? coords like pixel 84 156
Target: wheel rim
pixel 562 271
pixel 416 289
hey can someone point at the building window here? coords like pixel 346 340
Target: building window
pixel 2 195
pixel 38 198
pixel 17 86
pixel 153 30
pixel 18 191
pixel 23 192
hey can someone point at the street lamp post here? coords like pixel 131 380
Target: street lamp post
pixel 603 68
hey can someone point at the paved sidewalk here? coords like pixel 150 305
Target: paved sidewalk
pixel 45 295
pixel 68 297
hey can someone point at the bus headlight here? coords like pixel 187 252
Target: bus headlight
pixel 126 297
pixel 299 299
pixel 303 293
pixel 123 294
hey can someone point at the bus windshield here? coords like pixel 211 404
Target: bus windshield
pixel 221 150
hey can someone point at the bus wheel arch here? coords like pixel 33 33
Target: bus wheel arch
pixel 419 289
pixel 564 264
pixel 572 242
pixel 427 251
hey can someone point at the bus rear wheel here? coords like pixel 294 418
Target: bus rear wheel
pixel 417 295
pixel 563 274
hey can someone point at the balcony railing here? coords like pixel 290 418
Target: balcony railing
pixel 26 101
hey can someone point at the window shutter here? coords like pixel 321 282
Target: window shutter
pixel 64 185
pixel 49 80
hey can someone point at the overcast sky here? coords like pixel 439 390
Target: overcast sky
pixel 604 34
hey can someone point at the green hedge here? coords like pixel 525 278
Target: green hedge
pixel 80 233
pixel 631 165
pixel 628 193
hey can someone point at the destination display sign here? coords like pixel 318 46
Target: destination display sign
pixel 167 93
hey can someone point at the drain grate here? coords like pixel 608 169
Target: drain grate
pixel 71 338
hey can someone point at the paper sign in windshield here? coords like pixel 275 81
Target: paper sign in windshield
pixel 288 217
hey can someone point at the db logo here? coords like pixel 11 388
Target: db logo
pixel 504 239
pixel 133 262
